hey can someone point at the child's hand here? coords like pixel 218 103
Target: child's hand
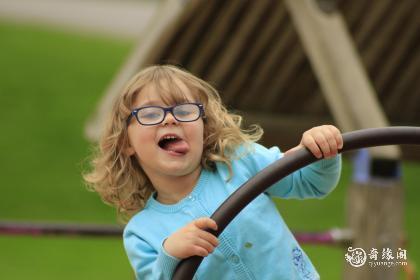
pixel 192 240
pixel 322 141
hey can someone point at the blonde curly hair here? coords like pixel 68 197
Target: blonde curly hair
pixel 119 179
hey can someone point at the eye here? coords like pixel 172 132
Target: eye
pixel 186 111
pixel 150 113
pixel 183 112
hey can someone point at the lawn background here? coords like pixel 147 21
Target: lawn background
pixel 49 84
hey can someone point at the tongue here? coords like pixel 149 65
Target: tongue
pixel 178 146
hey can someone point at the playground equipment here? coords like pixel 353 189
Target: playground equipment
pixel 283 167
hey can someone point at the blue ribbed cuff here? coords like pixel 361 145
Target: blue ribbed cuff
pixel 167 263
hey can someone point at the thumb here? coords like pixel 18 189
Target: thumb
pixel 204 223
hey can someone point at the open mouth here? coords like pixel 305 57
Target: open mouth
pixel 173 144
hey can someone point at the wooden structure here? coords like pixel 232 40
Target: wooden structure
pixel 252 53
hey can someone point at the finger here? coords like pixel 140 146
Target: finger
pixel 199 251
pixel 205 245
pixel 205 223
pixel 309 142
pixel 332 144
pixel 209 237
pixel 338 137
pixel 322 142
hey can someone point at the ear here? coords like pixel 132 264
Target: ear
pixel 129 151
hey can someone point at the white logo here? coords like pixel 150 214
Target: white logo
pixel 356 257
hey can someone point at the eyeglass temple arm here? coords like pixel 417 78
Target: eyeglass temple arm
pixel 130 116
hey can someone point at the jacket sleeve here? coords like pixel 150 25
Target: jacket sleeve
pixel 313 181
pixel 147 262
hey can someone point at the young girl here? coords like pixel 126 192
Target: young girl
pixel 171 154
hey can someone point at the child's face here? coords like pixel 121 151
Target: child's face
pixel 146 141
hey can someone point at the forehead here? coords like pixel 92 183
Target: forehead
pixel 165 93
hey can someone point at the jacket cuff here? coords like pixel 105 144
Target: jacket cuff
pixel 167 262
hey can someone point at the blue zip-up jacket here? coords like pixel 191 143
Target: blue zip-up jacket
pixel 257 244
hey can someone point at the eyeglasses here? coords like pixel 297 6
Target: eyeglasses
pixel 152 115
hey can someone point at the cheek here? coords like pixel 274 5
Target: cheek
pixel 141 140
pixel 198 136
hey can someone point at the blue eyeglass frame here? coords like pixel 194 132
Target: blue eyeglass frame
pixel 165 111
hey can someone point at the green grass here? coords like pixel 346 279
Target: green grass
pixel 41 258
pixel 50 82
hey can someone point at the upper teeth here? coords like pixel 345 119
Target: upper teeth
pixel 169 137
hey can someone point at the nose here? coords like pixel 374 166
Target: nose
pixel 169 119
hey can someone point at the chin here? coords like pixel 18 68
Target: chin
pixel 179 170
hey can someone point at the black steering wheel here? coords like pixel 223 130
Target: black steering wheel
pixel 285 166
